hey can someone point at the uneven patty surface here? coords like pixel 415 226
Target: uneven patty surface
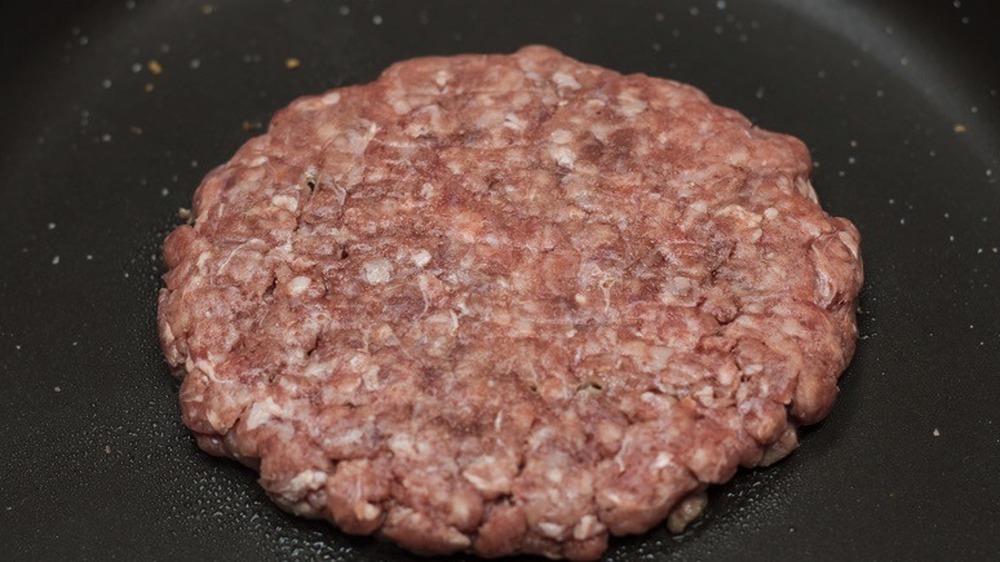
pixel 507 303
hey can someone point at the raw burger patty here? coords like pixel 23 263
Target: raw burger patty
pixel 507 303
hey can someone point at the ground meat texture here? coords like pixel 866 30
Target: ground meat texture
pixel 507 303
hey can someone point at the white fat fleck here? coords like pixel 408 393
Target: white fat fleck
pixel 421 257
pixel 310 173
pixel 289 384
pixel 202 258
pixel 727 375
pixel 851 243
pixel 460 509
pixel 702 457
pixel 370 377
pixel 306 480
pixel 587 527
pixel 551 530
pixel 480 483
pixel 455 167
pixel 258 161
pixel 213 420
pixel 400 107
pixel 677 290
pixel 298 284
pixel 486 474
pixel 563 156
pixel 605 284
pixel 512 121
pixel 426 190
pixel 441 78
pixel 539 437
pixel 367 512
pixel 360 143
pixel 565 80
pixel 168 333
pixel 738 156
pixel 310 104
pixel 284 430
pixel 424 285
pixel 655 400
pixel 317 371
pixel 357 361
pixel 600 132
pixel 455 538
pixel 344 438
pixel 261 413
pixel 286 248
pixel 285 202
pixel 748 218
pixel 357 143
pixel 705 395
pixel 208 368
pixel 331 99
pixel 377 271
pixel 561 136
pixel 402 444
pixel 805 187
pixel 793 328
pixel 770 213
pixel 554 475
pixel 630 106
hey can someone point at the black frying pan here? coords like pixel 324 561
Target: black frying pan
pixel 898 102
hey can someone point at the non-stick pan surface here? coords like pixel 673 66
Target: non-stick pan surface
pixel 898 102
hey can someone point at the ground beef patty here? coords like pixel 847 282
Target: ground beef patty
pixel 507 303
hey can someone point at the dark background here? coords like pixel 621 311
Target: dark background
pixel 898 101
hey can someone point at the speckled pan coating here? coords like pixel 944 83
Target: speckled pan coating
pixel 507 303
